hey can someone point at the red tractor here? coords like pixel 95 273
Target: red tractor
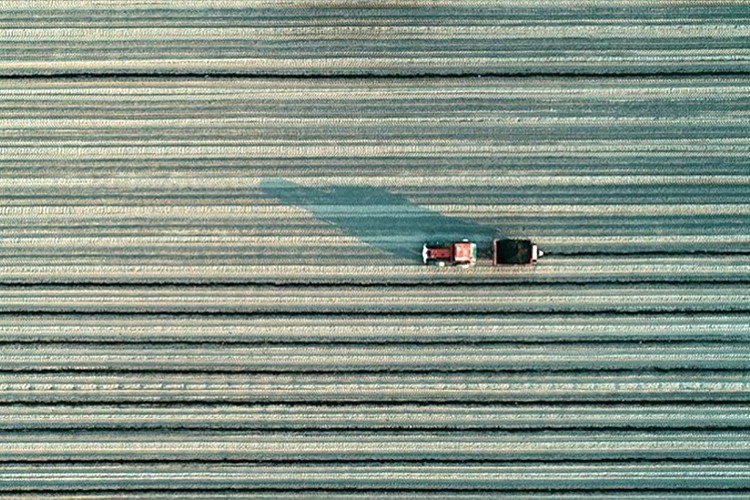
pixel 461 253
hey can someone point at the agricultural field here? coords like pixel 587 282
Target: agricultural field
pixel 212 216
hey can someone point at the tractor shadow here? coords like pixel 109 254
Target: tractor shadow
pixel 379 218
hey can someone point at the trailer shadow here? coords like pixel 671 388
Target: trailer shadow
pixel 379 218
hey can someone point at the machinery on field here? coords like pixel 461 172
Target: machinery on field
pixel 505 251
pixel 460 253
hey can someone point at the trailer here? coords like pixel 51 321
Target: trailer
pixel 510 251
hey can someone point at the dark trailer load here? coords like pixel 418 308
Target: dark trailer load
pixel 508 251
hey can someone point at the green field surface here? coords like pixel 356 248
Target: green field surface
pixel 211 224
